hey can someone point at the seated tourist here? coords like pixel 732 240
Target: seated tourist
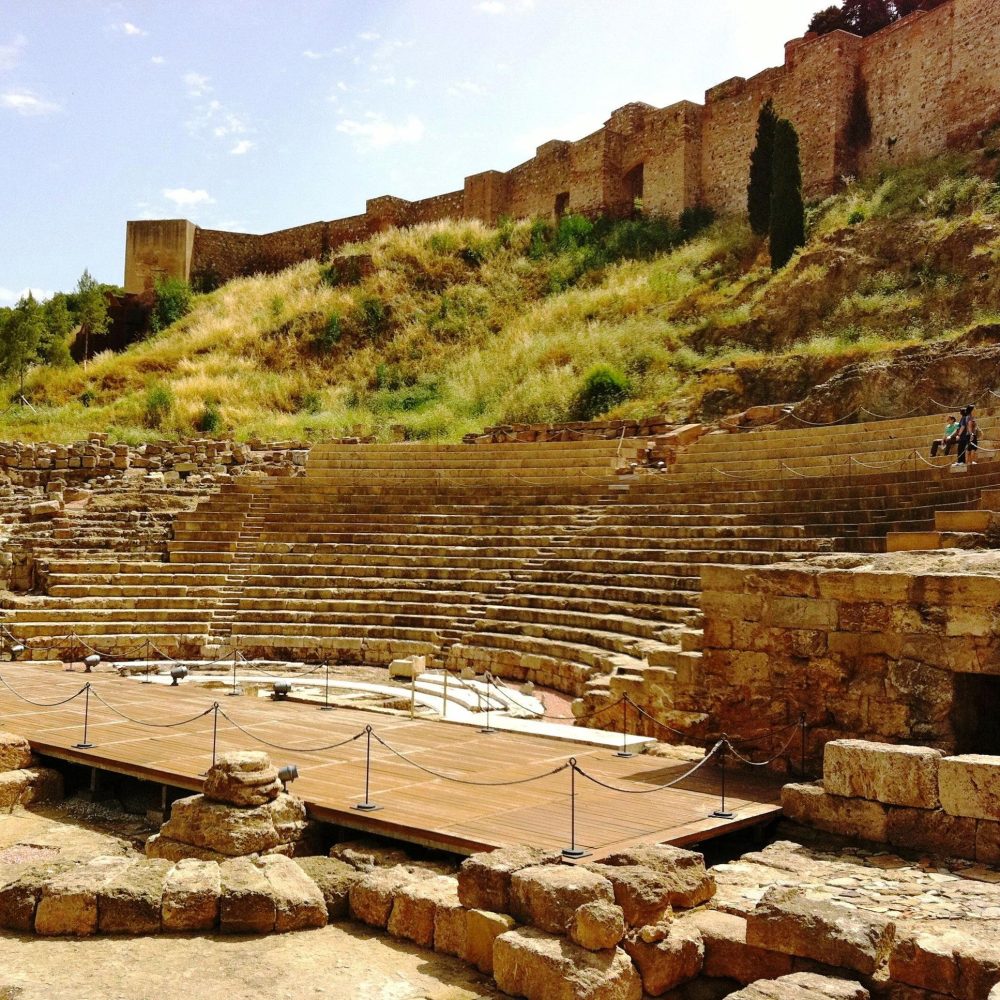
pixel 948 439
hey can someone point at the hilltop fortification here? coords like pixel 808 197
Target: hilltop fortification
pixel 928 83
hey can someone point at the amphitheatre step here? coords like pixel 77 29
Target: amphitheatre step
pixel 964 520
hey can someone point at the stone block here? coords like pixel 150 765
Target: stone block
pixel 727 954
pixel 667 955
pixel 334 879
pixel 530 963
pixel 933 831
pixel 368 854
pixel 414 910
pixel 803 986
pixel 21 889
pixel 970 786
pixel 786 920
pixel 597 926
pixel 484 879
pixel 298 902
pixel 372 896
pixel 131 901
pixel 955 963
pixel 34 784
pixel 247 903
pixel 546 896
pixel 191 895
pixel 482 928
pixel 643 893
pixel 15 752
pixel 451 926
pixel 690 884
pixel 810 805
pixel 242 778
pixel 881 772
pixel 988 842
pixel 68 903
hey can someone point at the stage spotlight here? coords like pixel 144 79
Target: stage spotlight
pixel 178 673
pixel 89 662
pixel 287 774
pixel 282 689
pixel 16 650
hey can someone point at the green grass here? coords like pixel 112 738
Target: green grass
pixel 459 325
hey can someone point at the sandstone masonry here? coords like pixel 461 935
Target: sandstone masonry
pixel 931 82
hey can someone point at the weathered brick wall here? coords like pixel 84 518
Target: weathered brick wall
pixel 882 653
pixel 932 82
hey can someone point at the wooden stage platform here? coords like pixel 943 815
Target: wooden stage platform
pixel 416 806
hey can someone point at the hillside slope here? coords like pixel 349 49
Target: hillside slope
pixel 449 327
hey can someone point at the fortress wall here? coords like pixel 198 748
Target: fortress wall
pixel 933 82
pixel 813 89
pixel 156 249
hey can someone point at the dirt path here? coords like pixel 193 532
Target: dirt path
pixel 339 962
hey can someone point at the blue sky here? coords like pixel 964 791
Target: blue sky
pixel 256 115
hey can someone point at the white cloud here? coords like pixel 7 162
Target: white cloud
pixel 197 84
pixel 9 297
pixel 466 87
pixel 229 124
pixel 24 102
pixel 242 147
pixel 312 54
pixel 369 36
pixel 186 196
pixel 375 132
pixel 504 7
pixel 158 61
pixel 128 28
pixel 10 54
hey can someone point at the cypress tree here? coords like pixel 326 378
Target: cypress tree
pixel 761 169
pixel 788 218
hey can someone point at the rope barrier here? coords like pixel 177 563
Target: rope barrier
pixel 761 763
pixel 287 749
pixel 151 725
pixel 42 704
pixel 659 788
pixel 466 781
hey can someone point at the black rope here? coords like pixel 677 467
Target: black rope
pixel 151 725
pixel 771 760
pixel 42 704
pixel 278 746
pixel 659 788
pixel 467 781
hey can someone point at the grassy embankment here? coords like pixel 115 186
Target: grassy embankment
pixel 458 325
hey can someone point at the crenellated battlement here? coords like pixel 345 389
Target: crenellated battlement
pixel 929 83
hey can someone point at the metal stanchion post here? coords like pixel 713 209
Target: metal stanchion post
pixel 722 812
pixel 573 852
pixel 326 706
pixel 489 730
pixel 802 724
pixel 233 690
pixel 624 752
pixel 367 805
pixel 85 745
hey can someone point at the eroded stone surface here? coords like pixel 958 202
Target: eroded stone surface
pixel 812 805
pixel 191 895
pixel 414 912
pixel 727 954
pixel 484 879
pixel 373 895
pixel 786 920
pixel 546 896
pixel 15 752
pixel 667 955
pixel 334 879
pixel 530 963
pixel 247 903
pixel 597 926
pixel 482 928
pixel 298 902
pixel 882 772
pixel 68 903
pixel 689 883
pixel 242 778
pixel 803 986
pixel 643 893
pixel 970 786
pixel 131 901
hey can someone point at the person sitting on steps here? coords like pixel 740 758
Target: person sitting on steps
pixel 968 436
pixel 949 437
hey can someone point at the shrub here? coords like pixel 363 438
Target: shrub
pixel 374 315
pixel 210 419
pixel 312 402
pixel 159 403
pixel 694 219
pixel 603 387
pixel 856 217
pixel 329 334
pixel 87 397
pixel 173 302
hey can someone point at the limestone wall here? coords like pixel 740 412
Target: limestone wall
pixel 908 796
pixel 880 648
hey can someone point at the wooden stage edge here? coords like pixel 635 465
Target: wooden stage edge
pixel 441 786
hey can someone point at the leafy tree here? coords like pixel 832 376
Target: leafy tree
pixel 91 310
pixel 761 170
pixel 20 337
pixel 603 387
pixel 173 301
pixel 827 20
pixel 54 346
pixel 788 226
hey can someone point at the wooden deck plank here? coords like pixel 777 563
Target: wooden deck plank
pixel 418 801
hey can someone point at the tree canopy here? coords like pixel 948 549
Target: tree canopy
pixel 788 225
pixel 761 160
pixel 865 17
